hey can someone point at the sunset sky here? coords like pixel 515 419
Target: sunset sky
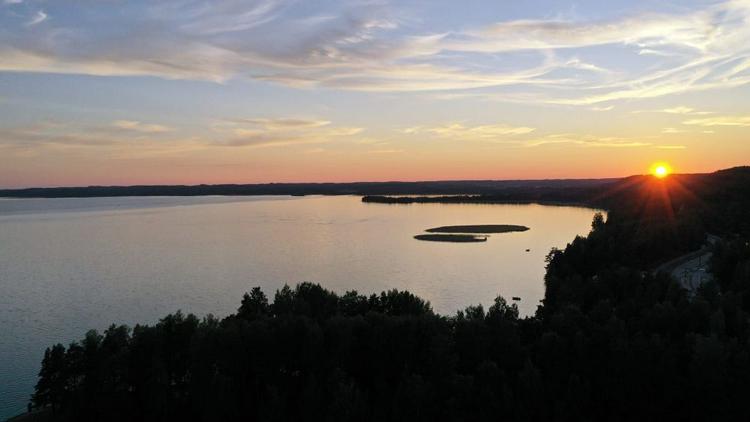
pixel 184 92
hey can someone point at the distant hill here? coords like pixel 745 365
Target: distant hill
pixel 720 199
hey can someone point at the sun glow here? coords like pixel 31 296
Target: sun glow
pixel 661 170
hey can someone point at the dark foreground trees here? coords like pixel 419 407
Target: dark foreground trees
pixel 630 347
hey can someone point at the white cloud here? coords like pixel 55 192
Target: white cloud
pixel 281 132
pixel 720 121
pixel 519 136
pixel 385 151
pixel 670 130
pixel 263 132
pixel 670 147
pixel 140 127
pixel 585 141
pixel 38 18
pixel 480 132
pixel 51 133
pixel 283 123
pixel 224 17
pixel 677 110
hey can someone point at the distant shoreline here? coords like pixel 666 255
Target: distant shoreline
pixel 553 190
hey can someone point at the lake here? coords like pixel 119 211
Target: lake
pixel 68 265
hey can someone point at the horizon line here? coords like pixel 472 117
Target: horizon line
pixel 357 182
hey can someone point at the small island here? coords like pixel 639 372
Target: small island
pixel 483 228
pixel 461 238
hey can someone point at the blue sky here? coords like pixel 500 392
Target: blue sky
pixel 178 91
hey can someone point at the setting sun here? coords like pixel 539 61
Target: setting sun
pixel 661 170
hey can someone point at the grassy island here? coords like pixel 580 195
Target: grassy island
pixel 450 238
pixel 482 228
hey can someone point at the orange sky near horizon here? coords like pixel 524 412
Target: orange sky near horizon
pixel 385 166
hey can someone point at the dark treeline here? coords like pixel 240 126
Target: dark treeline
pixel 502 187
pixel 611 341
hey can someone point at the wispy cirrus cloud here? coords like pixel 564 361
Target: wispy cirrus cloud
pixel 263 132
pixel 673 147
pixel 250 132
pixel 585 141
pixel 220 17
pixel 683 110
pixel 385 151
pixel 62 134
pixel 478 132
pixel 38 18
pixel 134 125
pixel 672 130
pixel 365 46
pixel 524 137
pixel 720 121
pixel 282 123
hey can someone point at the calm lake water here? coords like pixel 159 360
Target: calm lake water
pixel 68 265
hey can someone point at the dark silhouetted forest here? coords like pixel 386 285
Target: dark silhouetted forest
pixel 611 341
